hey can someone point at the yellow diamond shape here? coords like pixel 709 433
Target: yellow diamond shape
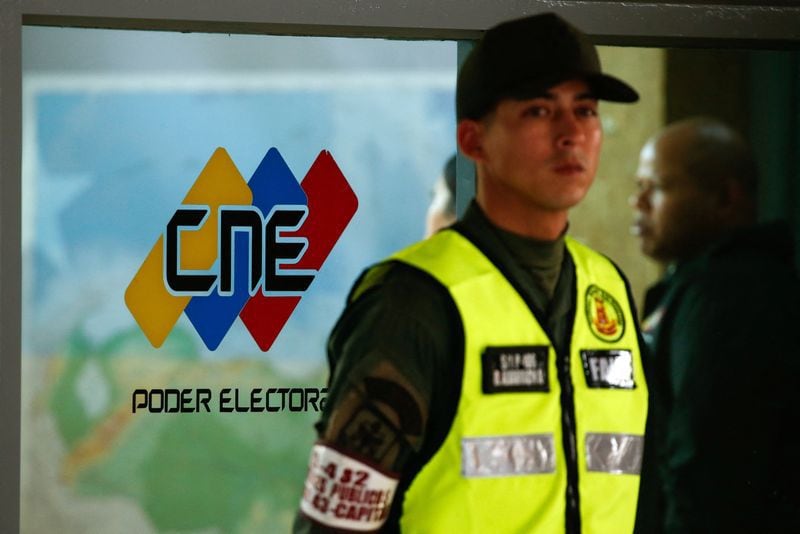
pixel 151 304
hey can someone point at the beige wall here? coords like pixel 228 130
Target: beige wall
pixel 604 218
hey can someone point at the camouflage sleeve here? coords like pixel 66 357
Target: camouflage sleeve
pixel 385 354
pixel 379 414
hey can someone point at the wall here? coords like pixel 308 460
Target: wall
pixel 604 218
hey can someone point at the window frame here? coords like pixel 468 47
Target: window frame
pixel 610 23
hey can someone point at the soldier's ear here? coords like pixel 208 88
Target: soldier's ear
pixel 469 134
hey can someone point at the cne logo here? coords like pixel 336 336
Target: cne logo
pixel 246 249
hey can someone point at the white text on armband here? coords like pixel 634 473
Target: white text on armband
pixel 345 493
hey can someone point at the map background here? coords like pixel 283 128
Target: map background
pixel 110 148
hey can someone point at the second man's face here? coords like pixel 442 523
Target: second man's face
pixel 543 151
pixel 673 216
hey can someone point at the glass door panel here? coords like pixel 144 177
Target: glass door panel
pixel 157 397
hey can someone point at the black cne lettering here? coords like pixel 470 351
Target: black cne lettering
pixel 269 250
pixel 284 250
pixel 231 221
pixel 184 283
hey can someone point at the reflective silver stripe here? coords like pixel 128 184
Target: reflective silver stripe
pixel 619 454
pixel 499 456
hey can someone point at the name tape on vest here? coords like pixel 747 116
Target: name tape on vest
pixel 344 493
pixel 499 456
pixel 609 369
pixel 519 368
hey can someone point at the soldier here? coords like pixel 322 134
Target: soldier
pixel 473 386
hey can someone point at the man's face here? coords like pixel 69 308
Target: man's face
pixel 542 153
pixel 673 215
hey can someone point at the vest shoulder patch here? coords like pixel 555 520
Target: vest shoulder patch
pixel 604 315
pixel 515 369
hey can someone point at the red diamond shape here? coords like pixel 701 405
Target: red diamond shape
pixel 331 205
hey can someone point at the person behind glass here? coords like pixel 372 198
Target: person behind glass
pixel 488 378
pixel 722 328
pixel 442 209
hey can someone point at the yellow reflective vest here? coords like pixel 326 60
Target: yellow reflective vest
pixel 503 467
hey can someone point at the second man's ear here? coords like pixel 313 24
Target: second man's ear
pixel 735 204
